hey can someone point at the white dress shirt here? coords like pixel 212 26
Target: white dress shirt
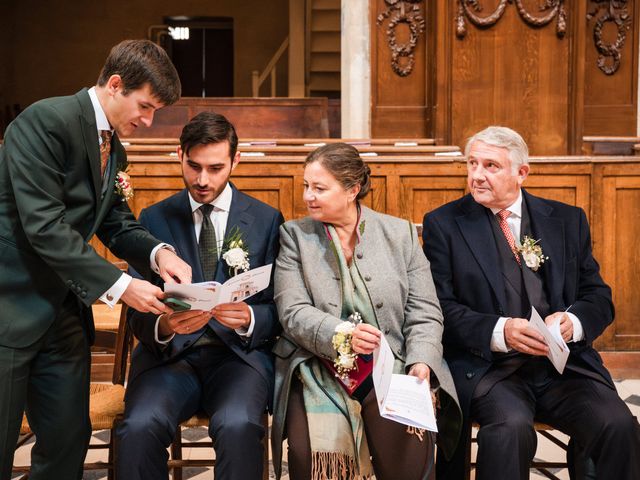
pixel 113 294
pixel 514 220
pixel 219 217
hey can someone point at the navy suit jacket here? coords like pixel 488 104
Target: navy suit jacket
pixel 458 242
pixel 171 220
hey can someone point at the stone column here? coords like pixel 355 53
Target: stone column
pixel 356 69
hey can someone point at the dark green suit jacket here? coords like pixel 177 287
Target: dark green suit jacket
pixel 52 201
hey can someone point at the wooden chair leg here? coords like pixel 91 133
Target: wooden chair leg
pixel 265 462
pixel 176 454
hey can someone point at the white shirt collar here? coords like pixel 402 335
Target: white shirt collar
pixel 222 202
pixel 515 208
pixel 101 118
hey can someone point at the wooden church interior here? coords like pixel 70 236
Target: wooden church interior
pixel 407 82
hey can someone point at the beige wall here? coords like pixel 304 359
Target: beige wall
pixel 62 43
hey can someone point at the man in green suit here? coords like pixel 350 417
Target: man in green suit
pixel 58 171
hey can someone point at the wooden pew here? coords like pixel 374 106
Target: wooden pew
pixel 303 150
pixel 609 145
pixel 253 117
pixel 398 142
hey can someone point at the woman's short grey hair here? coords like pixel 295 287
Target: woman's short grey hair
pixel 503 137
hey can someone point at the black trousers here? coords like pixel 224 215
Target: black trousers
pixel 209 378
pixel 589 411
pixel 50 380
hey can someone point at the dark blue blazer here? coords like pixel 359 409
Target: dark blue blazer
pixel 458 241
pixel 171 221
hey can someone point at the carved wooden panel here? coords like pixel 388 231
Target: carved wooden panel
pixel 611 68
pixel 399 103
pixel 511 74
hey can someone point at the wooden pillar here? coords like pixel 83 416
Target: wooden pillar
pixel 356 69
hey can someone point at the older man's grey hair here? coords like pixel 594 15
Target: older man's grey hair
pixel 503 137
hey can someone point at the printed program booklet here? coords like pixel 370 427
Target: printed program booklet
pixel 206 295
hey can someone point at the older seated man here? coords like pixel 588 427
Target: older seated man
pixel 496 253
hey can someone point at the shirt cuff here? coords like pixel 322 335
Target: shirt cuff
pixel 152 257
pixel 246 332
pixel 498 343
pixel 157 337
pixel 578 331
pixel 111 296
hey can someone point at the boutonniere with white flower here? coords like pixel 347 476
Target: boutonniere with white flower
pixel 345 360
pixel 235 252
pixel 532 253
pixel 123 186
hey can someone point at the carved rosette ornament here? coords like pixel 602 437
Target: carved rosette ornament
pixel 406 12
pixel 614 11
pixel 549 10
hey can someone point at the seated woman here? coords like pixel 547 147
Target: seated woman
pixel 346 261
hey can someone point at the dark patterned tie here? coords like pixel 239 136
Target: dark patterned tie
pixel 105 150
pixel 207 245
pixel 504 226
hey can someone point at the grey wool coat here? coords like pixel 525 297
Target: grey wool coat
pixel 398 279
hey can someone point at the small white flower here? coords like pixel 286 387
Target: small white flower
pixel 347 361
pixel 345 328
pixel 531 260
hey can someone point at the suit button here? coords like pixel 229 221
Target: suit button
pixel 379 305
pixel 83 294
pixel 386 331
pixel 359 255
pixel 399 352
pixel 109 297
pixel 367 278
pixel 470 375
pixel 69 283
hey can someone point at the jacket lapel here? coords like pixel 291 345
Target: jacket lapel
pixel 90 138
pixel 476 229
pixel 550 232
pixel 240 220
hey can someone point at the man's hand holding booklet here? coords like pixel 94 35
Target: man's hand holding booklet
pixel 206 295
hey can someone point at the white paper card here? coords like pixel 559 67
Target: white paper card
pixel 401 398
pixel 558 350
pixel 206 295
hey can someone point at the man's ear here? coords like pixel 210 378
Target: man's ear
pixel 114 84
pixel 235 161
pixel 179 152
pixel 523 172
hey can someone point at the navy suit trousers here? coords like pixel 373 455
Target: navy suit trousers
pixel 211 379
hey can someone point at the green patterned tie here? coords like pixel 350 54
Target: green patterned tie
pixel 207 246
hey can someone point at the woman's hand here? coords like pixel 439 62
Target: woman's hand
pixel 420 370
pixel 365 339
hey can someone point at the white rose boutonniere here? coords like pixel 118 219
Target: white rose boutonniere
pixel 237 257
pixel 123 186
pixel 532 253
pixel 235 252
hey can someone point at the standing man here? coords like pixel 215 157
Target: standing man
pixel 57 176
pixel 488 275
pixel 218 361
